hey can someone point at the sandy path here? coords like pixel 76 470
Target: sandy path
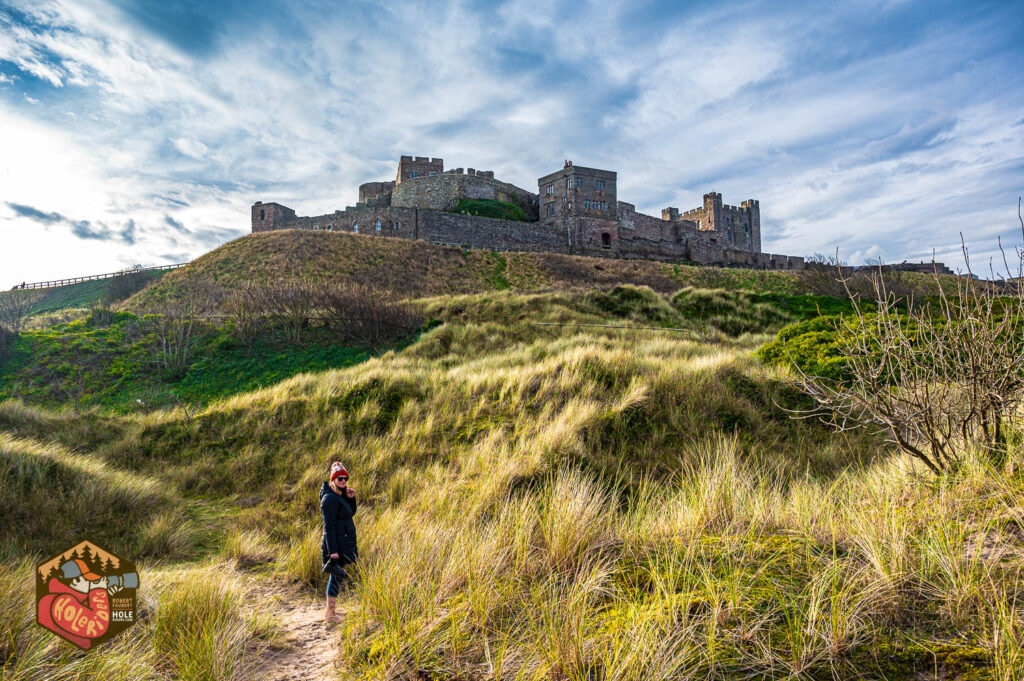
pixel 312 653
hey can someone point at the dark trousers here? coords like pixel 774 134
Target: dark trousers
pixel 333 581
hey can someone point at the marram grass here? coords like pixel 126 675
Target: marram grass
pixel 547 502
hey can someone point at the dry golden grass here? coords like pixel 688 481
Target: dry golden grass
pixel 577 503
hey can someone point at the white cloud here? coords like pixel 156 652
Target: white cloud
pixel 870 152
pixel 190 147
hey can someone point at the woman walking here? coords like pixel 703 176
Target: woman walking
pixel 338 548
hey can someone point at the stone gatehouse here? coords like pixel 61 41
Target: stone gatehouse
pixel 575 210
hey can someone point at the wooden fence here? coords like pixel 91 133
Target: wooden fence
pixel 93 277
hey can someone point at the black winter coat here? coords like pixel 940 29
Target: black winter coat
pixel 339 530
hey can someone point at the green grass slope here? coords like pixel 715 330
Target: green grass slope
pixel 80 295
pixel 110 360
pixel 540 497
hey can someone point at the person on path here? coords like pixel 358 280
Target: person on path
pixel 338 547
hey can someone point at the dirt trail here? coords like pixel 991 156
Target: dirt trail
pixel 312 652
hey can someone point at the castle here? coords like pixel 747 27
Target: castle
pixel 575 210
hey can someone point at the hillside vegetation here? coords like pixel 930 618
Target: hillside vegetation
pixel 415 269
pixel 542 495
pixel 490 208
pixel 80 295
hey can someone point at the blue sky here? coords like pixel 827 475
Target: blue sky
pixel 141 132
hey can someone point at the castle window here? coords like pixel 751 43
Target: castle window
pixel 586 204
pixel 550 189
pixel 551 209
pixel 433 172
pixel 378 224
pixel 600 184
pixel 413 173
pixel 579 181
pixel 263 214
pixel 604 206
pixel 606 240
pixel 355 227
pixel 568 182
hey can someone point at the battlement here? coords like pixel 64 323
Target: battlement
pixel 410 167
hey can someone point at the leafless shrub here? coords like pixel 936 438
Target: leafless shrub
pixel 245 311
pixel 15 307
pixel 71 389
pixel 125 284
pixel 827 275
pixel 352 314
pixel 178 323
pixel 100 316
pixel 187 409
pixel 365 316
pixel 289 306
pixel 822 275
pixel 936 377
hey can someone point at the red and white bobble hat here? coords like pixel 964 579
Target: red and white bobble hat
pixel 337 469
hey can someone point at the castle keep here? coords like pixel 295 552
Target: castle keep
pixel 575 210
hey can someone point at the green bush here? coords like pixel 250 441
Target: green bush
pixel 812 345
pixel 487 208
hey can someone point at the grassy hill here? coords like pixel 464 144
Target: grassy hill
pixel 80 295
pixel 562 475
pixel 540 496
pixel 415 269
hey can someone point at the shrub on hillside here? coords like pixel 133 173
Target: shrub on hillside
pixel 812 346
pixel 178 324
pixel 939 377
pixel 125 284
pixel 15 307
pixel 353 314
pixel 365 317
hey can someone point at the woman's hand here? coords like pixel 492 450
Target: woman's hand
pixel 334 556
pixel 349 492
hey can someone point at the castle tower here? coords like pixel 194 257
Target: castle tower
pixel 584 202
pixel 410 167
pixel 576 191
pixel 712 212
pixel 270 216
pixel 753 209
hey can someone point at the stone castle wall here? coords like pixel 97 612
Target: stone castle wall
pixel 452 229
pixel 440 192
pixel 580 215
pixel 582 236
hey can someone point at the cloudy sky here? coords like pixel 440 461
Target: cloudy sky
pixel 141 132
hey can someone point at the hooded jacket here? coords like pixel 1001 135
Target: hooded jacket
pixel 339 529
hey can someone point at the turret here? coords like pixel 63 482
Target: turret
pixel 270 216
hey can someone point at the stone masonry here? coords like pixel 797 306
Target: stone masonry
pixel 576 211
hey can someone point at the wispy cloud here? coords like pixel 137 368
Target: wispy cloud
pixel 36 214
pixel 83 229
pixel 855 125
